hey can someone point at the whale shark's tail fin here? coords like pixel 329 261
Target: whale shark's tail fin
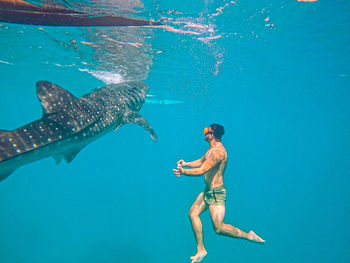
pixel 136 118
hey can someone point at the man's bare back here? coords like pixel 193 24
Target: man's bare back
pixel 212 165
pixel 214 177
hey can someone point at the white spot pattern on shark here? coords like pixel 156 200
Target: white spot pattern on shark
pixel 69 123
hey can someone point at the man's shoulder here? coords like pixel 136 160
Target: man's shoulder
pixel 220 148
pixel 218 152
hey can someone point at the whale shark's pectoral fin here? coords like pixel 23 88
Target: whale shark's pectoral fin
pixel 136 118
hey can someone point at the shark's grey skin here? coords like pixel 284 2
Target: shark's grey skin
pixel 69 123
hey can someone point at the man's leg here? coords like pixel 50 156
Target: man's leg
pixel 217 214
pixel 198 207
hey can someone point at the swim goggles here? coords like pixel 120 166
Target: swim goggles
pixel 206 131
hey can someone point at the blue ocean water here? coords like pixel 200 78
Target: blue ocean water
pixel 274 73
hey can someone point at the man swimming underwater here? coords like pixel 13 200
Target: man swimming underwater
pixel 212 165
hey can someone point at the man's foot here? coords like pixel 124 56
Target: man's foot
pixel 199 256
pixel 255 238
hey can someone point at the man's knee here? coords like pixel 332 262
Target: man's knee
pixel 218 229
pixel 193 214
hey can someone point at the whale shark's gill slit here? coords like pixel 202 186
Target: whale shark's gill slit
pixel 134 99
pixel 127 98
pixel 134 93
pixel 131 100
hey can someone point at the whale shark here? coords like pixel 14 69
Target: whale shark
pixel 69 123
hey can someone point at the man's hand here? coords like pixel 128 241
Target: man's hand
pixel 180 163
pixel 178 171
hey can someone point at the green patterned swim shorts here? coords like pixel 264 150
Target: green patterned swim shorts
pixel 215 196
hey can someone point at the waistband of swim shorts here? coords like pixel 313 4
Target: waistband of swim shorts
pixel 220 188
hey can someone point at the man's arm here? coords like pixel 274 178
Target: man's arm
pixel 193 164
pixel 212 160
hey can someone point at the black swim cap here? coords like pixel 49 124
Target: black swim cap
pixel 218 130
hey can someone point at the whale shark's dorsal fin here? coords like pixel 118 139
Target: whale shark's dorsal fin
pixel 55 99
pixel 52 97
pixel 136 118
